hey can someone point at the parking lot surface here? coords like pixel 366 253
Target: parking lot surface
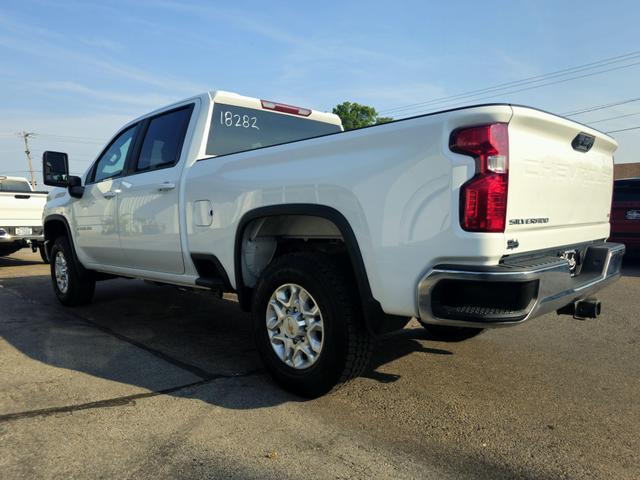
pixel 154 382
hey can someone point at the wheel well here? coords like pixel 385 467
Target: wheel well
pixel 266 238
pixel 280 229
pixel 307 227
pixel 52 230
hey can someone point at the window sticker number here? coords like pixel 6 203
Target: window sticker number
pixel 230 119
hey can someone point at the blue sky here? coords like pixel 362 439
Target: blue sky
pixel 81 69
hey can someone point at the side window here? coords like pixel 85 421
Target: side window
pixel 14 185
pixel 111 163
pixel 163 140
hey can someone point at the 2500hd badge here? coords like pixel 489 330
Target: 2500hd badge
pixel 527 221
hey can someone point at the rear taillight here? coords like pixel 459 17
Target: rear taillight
pixel 483 199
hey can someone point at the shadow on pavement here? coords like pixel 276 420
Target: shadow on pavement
pixel 18 262
pixel 157 338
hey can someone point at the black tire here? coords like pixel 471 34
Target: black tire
pixel 347 344
pixel 81 282
pixel 43 253
pixel 445 333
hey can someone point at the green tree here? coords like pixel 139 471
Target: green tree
pixel 354 115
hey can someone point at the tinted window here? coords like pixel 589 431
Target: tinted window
pixel 163 140
pixel 626 191
pixel 111 163
pixel 14 186
pixel 235 129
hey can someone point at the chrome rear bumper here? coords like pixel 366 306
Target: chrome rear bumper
pixel 8 235
pixel 541 287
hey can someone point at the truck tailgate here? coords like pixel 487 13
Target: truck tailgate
pixel 21 209
pixel 560 181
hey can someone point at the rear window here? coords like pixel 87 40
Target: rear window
pixel 626 191
pixel 237 129
pixel 14 186
pixel 164 138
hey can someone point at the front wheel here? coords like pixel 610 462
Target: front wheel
pixel 72 283
pixel 308 324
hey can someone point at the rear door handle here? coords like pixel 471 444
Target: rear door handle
pixel 166 186
pixel 109 194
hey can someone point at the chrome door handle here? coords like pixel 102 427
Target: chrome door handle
pixel 166 186
pixel 109 194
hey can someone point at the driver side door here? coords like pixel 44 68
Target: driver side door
pixel 95 214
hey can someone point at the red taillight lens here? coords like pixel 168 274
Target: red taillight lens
pixel 483 199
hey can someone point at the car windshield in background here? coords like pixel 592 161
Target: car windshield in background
pixel 14 186
pixel 626 191
pixel 237 129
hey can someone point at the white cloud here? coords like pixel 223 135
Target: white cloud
pixel 146 100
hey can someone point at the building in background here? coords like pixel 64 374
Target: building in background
pixel 626 170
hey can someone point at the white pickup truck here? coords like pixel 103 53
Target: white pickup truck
pixel 20 216
pixel 476 217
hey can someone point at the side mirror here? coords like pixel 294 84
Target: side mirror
pixel 76 189
pixel 55 169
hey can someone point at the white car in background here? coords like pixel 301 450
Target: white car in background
pixel 20 216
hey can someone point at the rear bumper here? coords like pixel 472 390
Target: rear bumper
pixel 8 235
pixel 507 295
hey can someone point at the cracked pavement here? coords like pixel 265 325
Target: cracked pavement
pixel 155 382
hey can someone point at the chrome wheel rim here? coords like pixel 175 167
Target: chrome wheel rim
pixel 62 273
pixel 295 326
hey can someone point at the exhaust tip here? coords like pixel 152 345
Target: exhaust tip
pixel 581 309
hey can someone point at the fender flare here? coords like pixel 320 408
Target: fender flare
pixel 62 219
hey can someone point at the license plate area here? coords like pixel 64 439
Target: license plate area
pixel 22 231
pixel 632 215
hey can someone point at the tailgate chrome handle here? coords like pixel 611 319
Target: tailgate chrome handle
pixel 166 186
pixel 109 194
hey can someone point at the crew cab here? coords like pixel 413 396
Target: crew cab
pixel 20 216
pixel 477 217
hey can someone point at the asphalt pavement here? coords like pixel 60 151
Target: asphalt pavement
pixel 155 382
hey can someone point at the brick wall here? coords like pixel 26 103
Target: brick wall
pixel 626 170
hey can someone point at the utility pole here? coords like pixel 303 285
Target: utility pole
pixel 25 136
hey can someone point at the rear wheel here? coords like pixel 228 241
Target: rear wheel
pixel 72 283
pixel 308 324
pixel 445 333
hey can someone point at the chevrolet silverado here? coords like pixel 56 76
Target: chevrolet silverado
pixel 476 217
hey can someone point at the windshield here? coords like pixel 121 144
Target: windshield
pixel 14 186
pixel 236 129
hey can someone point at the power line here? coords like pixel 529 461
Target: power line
pixel 534 79
pixel 525 81
pixel 539 86
pixel 623 130
pixel 600 107
pixel 614 118
pixel 71 137
pixel 68 138
pixel 59 136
